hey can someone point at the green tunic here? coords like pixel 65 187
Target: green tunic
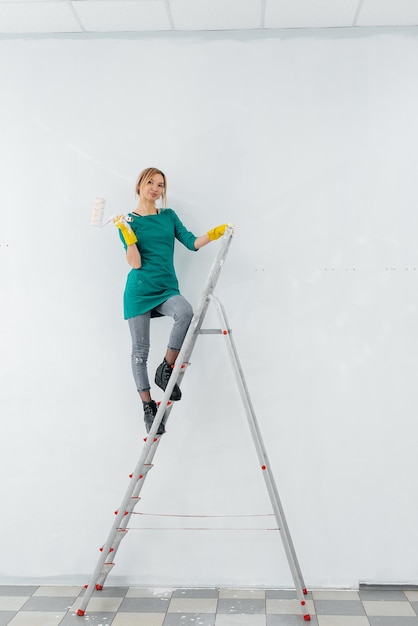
pixel 155 281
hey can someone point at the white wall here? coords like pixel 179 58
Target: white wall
pixel 306 141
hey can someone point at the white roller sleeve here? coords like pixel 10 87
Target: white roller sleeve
pixel 98 212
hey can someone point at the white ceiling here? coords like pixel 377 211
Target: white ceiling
pixel 110 16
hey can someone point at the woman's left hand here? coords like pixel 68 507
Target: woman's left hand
pixel 127 232
pixel 217 232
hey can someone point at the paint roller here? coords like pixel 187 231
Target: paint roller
pixel 98 213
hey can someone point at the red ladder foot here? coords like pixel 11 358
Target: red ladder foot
pixel 80 612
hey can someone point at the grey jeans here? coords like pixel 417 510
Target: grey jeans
pixel 176 307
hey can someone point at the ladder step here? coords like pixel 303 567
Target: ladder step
pixel 120 534
pixel 144 471
pixel 132 504
pixel 104 573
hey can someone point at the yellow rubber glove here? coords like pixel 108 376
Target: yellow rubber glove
pixel 217 232
pixel 127 232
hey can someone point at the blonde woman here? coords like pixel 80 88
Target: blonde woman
pixel 148 234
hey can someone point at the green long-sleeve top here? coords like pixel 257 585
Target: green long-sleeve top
pixel 155 281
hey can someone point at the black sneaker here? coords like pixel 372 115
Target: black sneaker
pixel 162 376
pixel 150 411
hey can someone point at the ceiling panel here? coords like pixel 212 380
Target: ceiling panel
pixel 310 13
pixel 28 1
pixel 37 17
pixel 122 15
pixel 215 14
pixel 73 16
pixel 388 13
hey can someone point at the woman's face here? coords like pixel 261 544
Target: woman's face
pixel 153 189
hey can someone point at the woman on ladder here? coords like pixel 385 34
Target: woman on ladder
pixel 148 235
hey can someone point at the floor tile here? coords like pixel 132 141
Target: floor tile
pixel 383 594
pixel 99 605
pixel 388 609
pixel 241 605
pixel 281 594
pixel 338 594
pixel 192 605
pixel 189 619
pixel 90 619
pixel 258 594
pixel 111 592
pixel 145 592
pixel 342 620
pixel 290 620
pixel 196 593
pixel 12 603
pixel 61 592
pixel 339 607
pixel 412 595
pixel 144 605
pixel 393 621
pixel 17 590
pixel 139 619
pixel 37 618
pixel 288 607
pixel 5 617
pixel 48 603
pixel 240 620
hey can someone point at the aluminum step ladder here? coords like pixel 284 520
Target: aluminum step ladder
pixel 122 516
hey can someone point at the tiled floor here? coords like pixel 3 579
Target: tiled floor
pixel 133 606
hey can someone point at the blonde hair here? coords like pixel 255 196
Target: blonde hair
pixel 146 176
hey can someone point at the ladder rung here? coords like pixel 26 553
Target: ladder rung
pixel 144 471
pixel 106 569
pixel 214 331
pixel 132 504
pixel 121 533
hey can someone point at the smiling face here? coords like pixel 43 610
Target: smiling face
pixel 151 185
pixel 153 188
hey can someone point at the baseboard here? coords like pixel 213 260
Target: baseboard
pixel 388 586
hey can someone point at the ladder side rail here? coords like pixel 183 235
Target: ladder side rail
pixel 194 327
pixel 184 354
pixel 218 261
pixel 263 458
pixel 101 562
pixel 122 528
pixel 166 405
pixel 146 457
pixel 202 307
pixel 177 375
